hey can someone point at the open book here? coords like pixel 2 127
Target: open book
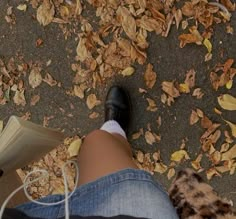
pixel 22 142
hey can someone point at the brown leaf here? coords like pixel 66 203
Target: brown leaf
pixel 137 134
pixel 233 127
pixel 45 12
pixel 150 138
pixel 82 51
pixel 190 78
pixel 206 122
pixel 170 173
pixel 150 76
pixel 19 98
pixel 215 157
pixel 170 89
pixel 151 105
pixel 198 93
pixel 35 77
pixel 140 156
pixel 49 80
pixel 212 172
pixel 128 22
pixel 178 17
pixel 230 154
pixel 34 100
pixel 79 90
pixel 93 115
pixel 160 168
pixel 150 24
pixel 196 164
pixel 193 118
pixel 92 101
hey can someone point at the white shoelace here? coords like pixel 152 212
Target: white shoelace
pixel 45 174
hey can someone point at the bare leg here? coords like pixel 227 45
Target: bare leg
pixel 103 153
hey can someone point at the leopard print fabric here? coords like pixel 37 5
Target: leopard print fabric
pixel 195 199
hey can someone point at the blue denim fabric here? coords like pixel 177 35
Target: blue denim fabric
pixel 128 192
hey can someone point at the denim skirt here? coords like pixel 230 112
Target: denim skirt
pixel 129 192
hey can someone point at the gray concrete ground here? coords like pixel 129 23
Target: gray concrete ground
pixel 170 62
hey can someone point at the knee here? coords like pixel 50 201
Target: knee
pixel 97 135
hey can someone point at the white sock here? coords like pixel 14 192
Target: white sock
pixel 113 126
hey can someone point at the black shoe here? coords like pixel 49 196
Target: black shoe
pixel 118 107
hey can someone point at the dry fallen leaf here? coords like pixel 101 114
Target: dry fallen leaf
pixel 93 115
pixel 230 154
pixel 128 71
pixel 35 77
pixel 140 156
pixel 170 89
pixel 196 164
pixel 22 7
pixel 150 76
pixel 19 98
pixel 193 118
pixel 208 45
pixel 34 100
pixel 128 22
pixel 198 93
pixel 232 126
pixel 215 157
pixel 190 78
pixel 227 102
pixel 150 138
pixel 160 168
pixel 179 156
pixel 224 147
pixel 212 172
pixel 74 147
pixel 92 101
pixel 79 90
pixel 49 80
pixel 137 135
pixel 82 51
pixel 170 173
pixel 151 105
pixel 45 12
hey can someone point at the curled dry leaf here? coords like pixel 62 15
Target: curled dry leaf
pixel 128 71
pixel 150 76
pixel 79 90
pixel 92 101
pixel 150 138
pixel 74 147
pixel 232 126
pixel 160 168
pixel 35 77
pixel 224 147
pixel 45 12
pixel 170 173
pixel 170 89
pixel 193 118
pixel 82 51
pixel 22 7
pixel 179 156
pixel 196 164
pixel 151 105
pixel 140 156
pixel 137 134
pixel 227 102
pixel 198 93
pixel 190 78
pixel 206 122
pixel 208 45
pixel 128 22
pixel 34 100
pixel 230 154
pixel 49 80
pixel 212 172
pixel 79 7
pixel 19 98
pixel 93 115
pixel 215 157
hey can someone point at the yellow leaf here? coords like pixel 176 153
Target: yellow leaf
pixel 229 84
pixel 184 88
pixel 179 155
pixel 128 71
pixel 74 147
pixel 232 126
pixel 22 7
pixel 208 45
pixel 92 101
pixel 230 154
pixel 227 102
